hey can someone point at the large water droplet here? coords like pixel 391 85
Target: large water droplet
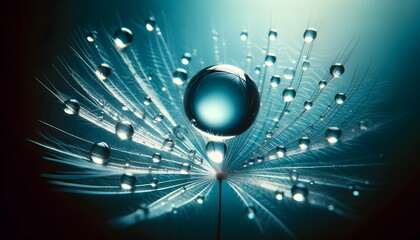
pixel 150 24
pixel 289 94
pixel 299 193
pixel 186 58
pixel 333 134
pixel 222 100
pixel 71 106
pixel 275 80
pixel 304 143
pixel 100 153
pixel 340 98
pixel 127 181
pixel 309 35
pixel 185 168
pixel 168 144
pixel 103 71
pixel 272 34
pixel 179 76
pixel 216 151
pixel 124 130
pixel 289 73
pixel 270 59
pixel 336 70
pixel 123 38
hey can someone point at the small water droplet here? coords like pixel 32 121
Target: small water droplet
pixel 71 106
pixel 100 153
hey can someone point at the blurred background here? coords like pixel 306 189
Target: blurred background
pixel 35 32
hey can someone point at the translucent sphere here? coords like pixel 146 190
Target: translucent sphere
pixel 322 84
pixel 279 195
pixel 127 181
pixel 200 199
pixel 197 160
pixel 154 182
pixel 257 70
pixel 340 98
pixel 150 24
pixel 103 71
pixel 308 105
pixel 333 134
pixel 305 65
pixel 309 35
pixel 260 159
pixel 156 158
pixel 147 101
pixel 179 76
pixel 221 101
pixel 244 35
pixel 185 168
pixel 158 118
pixel 124 130
pixel 216 151
pixel 100 153
pixel 180 132
pixel 289 94
pixel 289 73
pixel 281 151
pixel 336 70
pixel 299 193
pixel 250 212
pixel 248 58
pixel 270 59
pixel 186 58
pixel 168 144
pixel 363 125
pixel 272 34
pixel 304 143
pixel 275 80
pixel 294 175
pixel 71 106
pixel 91 37
pixel 123 38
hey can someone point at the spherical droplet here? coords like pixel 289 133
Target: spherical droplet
pixel 269 134
pixel 308 105
pixel 336 70
pixel 249 58
pixel 197 160
pixel 100 153
pixel 322 84
pixel 257 70
pixel 305 65
pixel 147 101
pixel 244 35
pixel 186 58
pixel 333 134
pixel 168 144
pixel 294 175
pixel 309 35
pixel 281 151
pixel 299 193
pixel 275 80
pixel 270 59
pixel 304 143
pixel 260 159
pixel 250 212
pixel 91 37
pixel 363 125
pixel 154 182
pixel 127 181
pixel 289 94
pixel 216 151
pixel 179 76
pixel 340 98
pixel 222 100
pixel 71 106
pixel 150 24
pixel 272 34
pixel 200 199
pixel 279 195
pixel 289 73
pixel 124 130
pixel 156 158
pixel 123 38
pixel 103 71
pixel 185 168
pixel 158 118
pixel 180 132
